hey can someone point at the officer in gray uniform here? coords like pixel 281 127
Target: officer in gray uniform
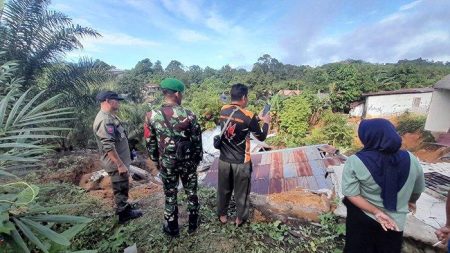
pixel 112 141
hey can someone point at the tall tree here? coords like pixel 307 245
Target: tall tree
pixel 157 68
pixel 36 36
pixel 143 67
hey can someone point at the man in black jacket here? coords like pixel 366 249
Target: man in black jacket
pixel 235 165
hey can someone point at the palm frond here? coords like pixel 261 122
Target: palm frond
pixel 24 124
pixel 36 36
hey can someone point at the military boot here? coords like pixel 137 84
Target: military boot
pixel 128 214
pixel 171 228
pixel 194 222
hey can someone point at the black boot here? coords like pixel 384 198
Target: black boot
pixel 128 214
pixel 194 223
pixel 171 228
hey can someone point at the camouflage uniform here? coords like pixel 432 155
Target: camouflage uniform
pixel 161 149
pixel 111 135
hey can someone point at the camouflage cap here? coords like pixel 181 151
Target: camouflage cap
pixel 172 84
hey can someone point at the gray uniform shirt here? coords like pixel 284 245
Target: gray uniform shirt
pixel 111 135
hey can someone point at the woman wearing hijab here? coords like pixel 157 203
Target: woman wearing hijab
pixel 381 184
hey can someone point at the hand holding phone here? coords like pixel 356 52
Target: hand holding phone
pixel 266 109
pixel 264 114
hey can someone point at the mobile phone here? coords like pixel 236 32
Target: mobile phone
pixel 223 98
pixel 266 109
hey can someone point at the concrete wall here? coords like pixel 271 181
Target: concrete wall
pixel 438 119
pixel 396 104
pixel 357 111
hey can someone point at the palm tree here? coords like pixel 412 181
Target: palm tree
pixel 36 36
pixel 25 122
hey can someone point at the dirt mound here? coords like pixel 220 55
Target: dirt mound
pixel 298 203
pixel 412 141
pixel 144 190
pixel 69 169
pixel 432 153
pixel 424 151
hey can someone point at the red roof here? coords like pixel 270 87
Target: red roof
pixel 289 92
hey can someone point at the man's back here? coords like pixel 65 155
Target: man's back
pixel 235 146
pixel 181 125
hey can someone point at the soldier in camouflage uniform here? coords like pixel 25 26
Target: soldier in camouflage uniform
pixel 174 144
pixel 112 141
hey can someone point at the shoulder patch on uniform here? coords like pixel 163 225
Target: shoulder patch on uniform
pixel 110 128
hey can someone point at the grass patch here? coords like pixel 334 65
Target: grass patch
pixel 105 235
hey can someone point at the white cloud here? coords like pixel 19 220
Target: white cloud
pixel 190 9
pixel 419 29
pixel 216 23
pixel 123 39
pixel 191 36
pixel 410 5
pixel 92 45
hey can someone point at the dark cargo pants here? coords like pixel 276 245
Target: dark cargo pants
pixel 235 177
pixel 170 176
pixel 120 187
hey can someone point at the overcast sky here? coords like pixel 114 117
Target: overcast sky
pixel 216 33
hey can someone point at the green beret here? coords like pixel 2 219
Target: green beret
pixel 172 84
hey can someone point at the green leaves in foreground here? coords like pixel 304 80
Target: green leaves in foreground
pixel 24 229
pixel 24 125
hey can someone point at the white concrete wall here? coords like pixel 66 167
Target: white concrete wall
pixel 396 104
pixel 357 111
pixel 438 119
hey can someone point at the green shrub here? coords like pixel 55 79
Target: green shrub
pixel 285 140
pixel 411 123
pixel 294 116
pixel 335 131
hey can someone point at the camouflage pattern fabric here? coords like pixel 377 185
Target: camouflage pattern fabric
pixel 170 177
pixel 160 143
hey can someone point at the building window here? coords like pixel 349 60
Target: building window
pixel 416 102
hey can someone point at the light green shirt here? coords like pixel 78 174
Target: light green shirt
pixel 357 180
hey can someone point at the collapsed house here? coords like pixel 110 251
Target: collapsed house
pixel 289 183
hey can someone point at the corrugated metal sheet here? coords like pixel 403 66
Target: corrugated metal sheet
pixel 437 182
pixel 283 170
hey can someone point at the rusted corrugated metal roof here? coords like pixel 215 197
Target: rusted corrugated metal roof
pixel 283 170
